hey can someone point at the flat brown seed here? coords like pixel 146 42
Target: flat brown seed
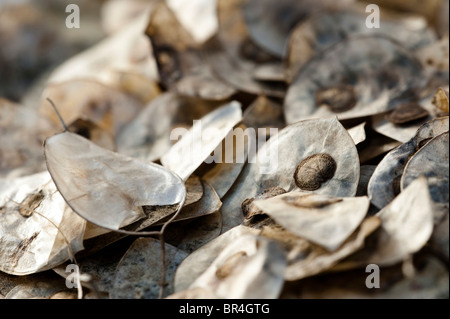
pixel 407 112
pixel 339 98
pixel 227 268
pixel 314 170
pixel 249 210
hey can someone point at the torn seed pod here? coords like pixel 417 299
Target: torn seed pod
pixel 249 267
pixel 37 227
pixel 319 32
pixel 106 188
pixel 384 184
pixel 359 76
pixel 324 220
pixel 431 161
pixel 276 161
pixel 196 145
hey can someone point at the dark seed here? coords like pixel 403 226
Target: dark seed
pixel 31 203
pixel 407 112
pixel 339 98
pixel 249 210
pixel 314 170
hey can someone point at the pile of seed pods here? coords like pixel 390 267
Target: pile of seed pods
pixel 230 149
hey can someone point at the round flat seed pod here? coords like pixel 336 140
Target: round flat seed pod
pixel 432 161
pixel 106 188
pixel 248 267
pixel 384 184
pixel 319 32
pixel 357 77
pixel 324 220
pixel 318 155
pixel 36 226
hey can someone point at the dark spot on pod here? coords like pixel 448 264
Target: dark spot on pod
pixel 339 98
pixel 249 210
pixel 407 112
pixel 314 170
pixel 227 268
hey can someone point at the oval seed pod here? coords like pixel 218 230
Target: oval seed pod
pixel 36 226
pixel 359 76
pixel 317 33
pixel 248 267
pixel 384 184
pixel 106 188
pixel 431 161
pixel 276 161
pixel 324 220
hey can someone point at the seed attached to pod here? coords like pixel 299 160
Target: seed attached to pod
pixel 227 268
pixel 407 112
pixel 249 209
pixel 313 171
pixel 339 98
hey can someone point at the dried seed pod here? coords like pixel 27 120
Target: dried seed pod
pixel 368 64
pixel 314 170
pixel 146 136
pixel 194 147
pixel 275 163
pixel 249 209
pixel 318 33
pixel 431 161
pixel 407 112
pixel 384 184
pixel 440 100
pixel 407 224
pixel 339 99
pixel 324 220
pixel 36 226
pixel 198 261
pixel 249 267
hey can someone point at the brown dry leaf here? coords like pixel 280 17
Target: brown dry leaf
pixel 306 259
pixel 384 184
pixel 275 164
pixel 180 59
pixel 196 145
pixel 199 260
pixel 138 274
pixel 431 161
pixel 107 188
pixel 324 220
pixel 36 226
pixel 250 267
pixel 359 76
